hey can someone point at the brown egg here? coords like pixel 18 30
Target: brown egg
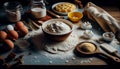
pixel 19 25
pixel 13 34
pixel 23 31
pixel 3 35
pixel 9 43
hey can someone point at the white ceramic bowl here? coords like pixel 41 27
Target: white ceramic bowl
pixel 108 36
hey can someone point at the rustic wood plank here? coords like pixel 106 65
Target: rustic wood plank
pixel 114 11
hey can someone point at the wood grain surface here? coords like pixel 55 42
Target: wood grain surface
pixel 114 11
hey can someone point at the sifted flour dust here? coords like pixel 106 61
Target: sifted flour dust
pixel 53 49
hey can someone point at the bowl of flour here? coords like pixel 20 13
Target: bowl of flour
pixel 57 29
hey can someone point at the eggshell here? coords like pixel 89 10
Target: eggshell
pixel 9 43
pixel 13 34
pixel 3 35
pixel 19 25
pixel 10 27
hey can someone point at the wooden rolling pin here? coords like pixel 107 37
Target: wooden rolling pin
pixel 55 15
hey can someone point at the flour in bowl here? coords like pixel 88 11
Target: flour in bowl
pixel 57 27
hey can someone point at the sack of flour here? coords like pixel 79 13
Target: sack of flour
pixel 103 18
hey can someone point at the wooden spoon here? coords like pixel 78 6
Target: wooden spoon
pixel 96 51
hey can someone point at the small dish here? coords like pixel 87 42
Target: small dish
pixel 88 34
pixel 62 13
pixel 75 16
pixel 108 36
pixel 86 25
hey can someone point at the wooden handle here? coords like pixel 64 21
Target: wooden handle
pixel 79 3
pixel 111 57
pixel 117 54
pixel 55 15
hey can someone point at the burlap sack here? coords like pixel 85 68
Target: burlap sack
pixel 104 19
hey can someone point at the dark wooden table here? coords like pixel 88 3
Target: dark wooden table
pixel 114 11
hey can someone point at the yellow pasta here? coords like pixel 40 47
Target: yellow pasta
pixel 65 7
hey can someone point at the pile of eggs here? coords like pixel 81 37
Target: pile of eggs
pixel 12 33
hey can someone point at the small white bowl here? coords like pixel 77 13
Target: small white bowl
pixel 108 36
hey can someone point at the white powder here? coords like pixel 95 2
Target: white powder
pixel 50 49
pixel 38 12
pixel 93 10
pixel 67 61
pixel 57 47
pixel 61 55
pixel 47 48
pixel 57 27
pixel 105 17
pixel 73 58
pixel 50 62
pixel 63 49
pixel 33 33
pixel 86 25
pixel 84 61
pixel 22 44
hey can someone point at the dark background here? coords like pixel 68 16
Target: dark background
pixel 98 2
pixel 51 2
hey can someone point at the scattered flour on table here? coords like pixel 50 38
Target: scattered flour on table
pixel 41 43
pixel 53 49
pixel 57 47
pixel 61 55
pixel 115 45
